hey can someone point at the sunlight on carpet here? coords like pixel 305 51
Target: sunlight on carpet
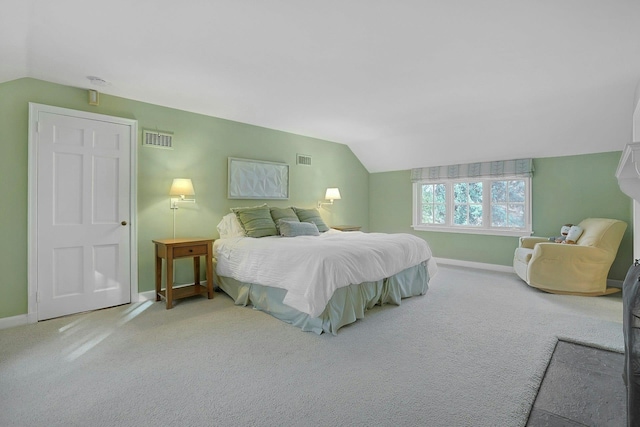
pixel 471 352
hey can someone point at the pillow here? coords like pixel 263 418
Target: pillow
pixel 230 227
pixel 311 215
pixel 256 221
pixel 283 213
pixel 574 234
pixel 297 228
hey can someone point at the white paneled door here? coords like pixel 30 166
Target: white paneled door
pixel 83 177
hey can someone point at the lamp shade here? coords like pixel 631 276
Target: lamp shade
pixel 332 194
pixel 182 187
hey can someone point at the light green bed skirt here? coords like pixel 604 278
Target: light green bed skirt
pixel 347 304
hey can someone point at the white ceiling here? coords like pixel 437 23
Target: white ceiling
pixel 404 83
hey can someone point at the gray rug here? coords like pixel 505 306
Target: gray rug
pixel 582 386
pixel 471 352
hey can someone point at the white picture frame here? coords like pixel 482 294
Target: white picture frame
pixel 257 179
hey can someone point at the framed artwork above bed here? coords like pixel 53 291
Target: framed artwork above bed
pixel 257 179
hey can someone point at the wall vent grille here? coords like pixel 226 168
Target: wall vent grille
pixel 155 139
pixel 303 159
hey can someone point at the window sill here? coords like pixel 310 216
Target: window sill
pixel 468 230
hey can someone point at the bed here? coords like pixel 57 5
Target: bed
pixel 324 281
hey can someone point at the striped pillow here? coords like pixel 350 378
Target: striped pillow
pixel 256 221
pixel 283 213
pixel 311 215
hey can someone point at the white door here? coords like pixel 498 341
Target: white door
pixel 83 251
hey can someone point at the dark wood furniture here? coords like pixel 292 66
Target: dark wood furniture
pixel 171 249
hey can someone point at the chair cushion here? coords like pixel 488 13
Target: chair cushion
pixel 602 233
pixel 523 254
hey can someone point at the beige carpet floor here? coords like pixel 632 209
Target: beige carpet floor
pixel 471 352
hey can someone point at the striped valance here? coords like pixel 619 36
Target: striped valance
pixel 519 167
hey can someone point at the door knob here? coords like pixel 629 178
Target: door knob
pixel 124 223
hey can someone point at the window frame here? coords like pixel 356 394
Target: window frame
pixel 449 227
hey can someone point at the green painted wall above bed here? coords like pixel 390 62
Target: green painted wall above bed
pixel 202 145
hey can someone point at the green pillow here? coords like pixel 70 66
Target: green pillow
pixel 311 215
pixel 256 221
pixel 283 213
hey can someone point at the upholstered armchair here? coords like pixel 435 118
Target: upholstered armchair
pixel 580 268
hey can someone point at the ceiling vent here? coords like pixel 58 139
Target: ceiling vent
pixel 153 138
pixel 303 159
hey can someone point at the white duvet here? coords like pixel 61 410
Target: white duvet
pixel 311 268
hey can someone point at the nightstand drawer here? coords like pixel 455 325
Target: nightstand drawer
pixel 189 251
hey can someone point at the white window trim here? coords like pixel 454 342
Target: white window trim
pixel 468 230
pixel 494 231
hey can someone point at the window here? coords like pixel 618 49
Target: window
pixel 434 207
pixel 483 205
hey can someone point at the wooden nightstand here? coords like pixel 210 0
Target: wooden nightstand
pixel 346 227
pixel 171 249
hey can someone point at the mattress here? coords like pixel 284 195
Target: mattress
pixel 347 304
pixel 311 268
pixel 310 273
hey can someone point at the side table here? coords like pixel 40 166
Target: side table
pixel 171 249
pixel 346 227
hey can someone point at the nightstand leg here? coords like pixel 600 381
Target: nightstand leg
pixel 196 273
pixel 158 274
pixel 169 290
pixel 209 263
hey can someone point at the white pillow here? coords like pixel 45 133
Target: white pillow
pixel 230 227
pixel 574 234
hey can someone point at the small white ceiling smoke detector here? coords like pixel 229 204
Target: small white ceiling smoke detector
pixel 98 81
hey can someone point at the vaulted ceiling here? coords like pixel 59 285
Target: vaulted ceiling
pixel 404 84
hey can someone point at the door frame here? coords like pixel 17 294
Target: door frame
pixel 32 228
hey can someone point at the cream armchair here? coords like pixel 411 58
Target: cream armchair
pixel 579 269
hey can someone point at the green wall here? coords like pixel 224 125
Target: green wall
pixel 564 190
pixel 202 145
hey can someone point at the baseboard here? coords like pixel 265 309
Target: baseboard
pixel 614 283
pixel 471 264
pixel 23 319
pixel 611 283
pixel 147 295
pixel 10 322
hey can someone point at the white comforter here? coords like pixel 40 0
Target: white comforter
pixel 311 268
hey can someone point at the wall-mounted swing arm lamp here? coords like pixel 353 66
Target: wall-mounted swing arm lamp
pixel 180 188
pixel 331 195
